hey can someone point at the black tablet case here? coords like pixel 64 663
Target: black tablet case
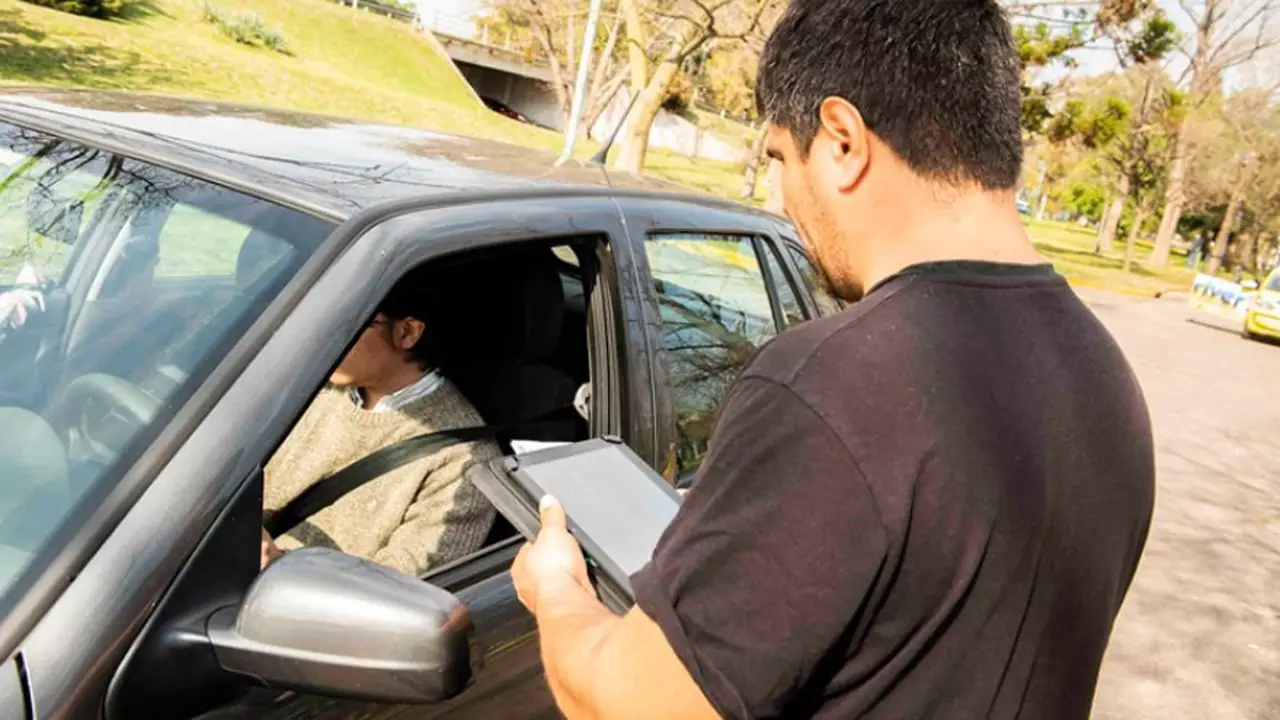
pixel 515 494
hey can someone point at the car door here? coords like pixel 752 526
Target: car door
pixel 221 464
pixel 718 287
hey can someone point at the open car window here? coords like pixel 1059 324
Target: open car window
pixel 122 285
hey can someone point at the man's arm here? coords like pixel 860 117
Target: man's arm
pixel 766 571
pixel 600 665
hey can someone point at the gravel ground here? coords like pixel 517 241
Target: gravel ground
pixel 1199 635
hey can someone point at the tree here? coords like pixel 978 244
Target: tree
pixel 1251 119
pixel 676 30
pixel 1141 48
pixel 1227 34
pixel 551 27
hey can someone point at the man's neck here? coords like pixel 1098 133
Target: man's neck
pixel 966 225
pixel 394 383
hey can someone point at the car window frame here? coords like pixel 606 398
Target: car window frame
pixel 648 214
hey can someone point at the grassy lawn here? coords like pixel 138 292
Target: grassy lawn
pixel 1071 249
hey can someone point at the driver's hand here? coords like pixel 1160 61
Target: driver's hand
pixel 269 550
pixel 17 305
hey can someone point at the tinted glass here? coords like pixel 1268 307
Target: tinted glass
pixel 828 303
pixel 792 311
pixel 715 314
pixel 121 287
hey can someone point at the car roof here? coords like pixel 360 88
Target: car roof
pixel 331 167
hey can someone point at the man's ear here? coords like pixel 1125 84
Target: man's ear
pixel 844 139
pixel 408 332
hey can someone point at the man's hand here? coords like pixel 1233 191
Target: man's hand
pixel 553 563
pixel 269 550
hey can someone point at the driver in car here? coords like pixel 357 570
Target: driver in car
pixel 387 389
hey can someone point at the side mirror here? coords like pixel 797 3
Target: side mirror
pixel 57 218
pixel 322 622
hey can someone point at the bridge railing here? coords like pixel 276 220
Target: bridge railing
pixel 373 6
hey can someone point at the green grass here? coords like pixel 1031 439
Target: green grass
pixel 343 62
pixel 1071 249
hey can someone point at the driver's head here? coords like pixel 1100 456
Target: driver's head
pixel 395 343
pixel 883 111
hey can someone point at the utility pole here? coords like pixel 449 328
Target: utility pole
pixel 580 87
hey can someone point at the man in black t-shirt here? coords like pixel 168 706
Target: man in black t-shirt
pixel 928 506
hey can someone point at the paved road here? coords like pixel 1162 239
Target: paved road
pixel 1199 635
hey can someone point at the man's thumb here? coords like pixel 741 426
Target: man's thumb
pixel 552 513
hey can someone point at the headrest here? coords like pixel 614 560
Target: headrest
pixel 260 257
pixel 31 455
pixel 510 306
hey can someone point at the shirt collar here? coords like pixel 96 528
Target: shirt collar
pixel 426 385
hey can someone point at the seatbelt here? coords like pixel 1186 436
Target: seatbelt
pixel 333 488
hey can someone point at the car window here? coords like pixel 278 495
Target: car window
pixel 196 243
pixel 1273 284
pixel 96 354
pixel 715 314
pixel 828 302
pixel 27 253
pixel 792 311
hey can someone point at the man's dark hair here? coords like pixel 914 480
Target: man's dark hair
pixel 419 295
pixel 937 80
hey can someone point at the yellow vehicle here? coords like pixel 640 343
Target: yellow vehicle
pixel 1262 320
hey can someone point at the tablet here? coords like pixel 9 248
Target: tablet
pixel 617 507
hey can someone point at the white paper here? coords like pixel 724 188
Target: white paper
pixel 524 447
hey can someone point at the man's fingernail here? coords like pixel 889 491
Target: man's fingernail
pixel 547 502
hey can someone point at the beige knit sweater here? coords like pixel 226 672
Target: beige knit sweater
pixel 417 517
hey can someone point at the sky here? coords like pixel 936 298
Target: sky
pixel 452 13
pixel 1101 58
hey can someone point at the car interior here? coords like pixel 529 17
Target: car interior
pixel 515 321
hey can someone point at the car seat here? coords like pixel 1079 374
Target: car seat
pixel 262 269
pixel 502 324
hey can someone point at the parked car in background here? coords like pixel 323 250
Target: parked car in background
pixel 507 111
pixel 1262 320
pixel 201 270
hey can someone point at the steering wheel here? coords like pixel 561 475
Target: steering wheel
pixel 115 407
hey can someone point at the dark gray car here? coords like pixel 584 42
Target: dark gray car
pixel 177 280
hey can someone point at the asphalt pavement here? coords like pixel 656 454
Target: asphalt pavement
pixel 1199 634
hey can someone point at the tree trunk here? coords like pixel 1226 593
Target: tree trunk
pixel 636 46
pixel 1174 198
pixel 1228 224
pixel 1130 246
pixel 1249 251
pixel 773 200
pixel 1111 221
pixel 752 175
pixel 635 144
pixel 1044 202
pixel 602 101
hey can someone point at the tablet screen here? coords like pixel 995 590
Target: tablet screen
pixel 612 498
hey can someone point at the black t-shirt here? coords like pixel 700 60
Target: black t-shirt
pixel 928 506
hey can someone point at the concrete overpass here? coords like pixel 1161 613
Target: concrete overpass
pixel 521 82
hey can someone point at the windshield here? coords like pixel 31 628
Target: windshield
pixel 1273 284
pixel 121 287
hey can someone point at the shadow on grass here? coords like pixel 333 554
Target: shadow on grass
pixel 1100 262
pixel 29 57
pixel 140 10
